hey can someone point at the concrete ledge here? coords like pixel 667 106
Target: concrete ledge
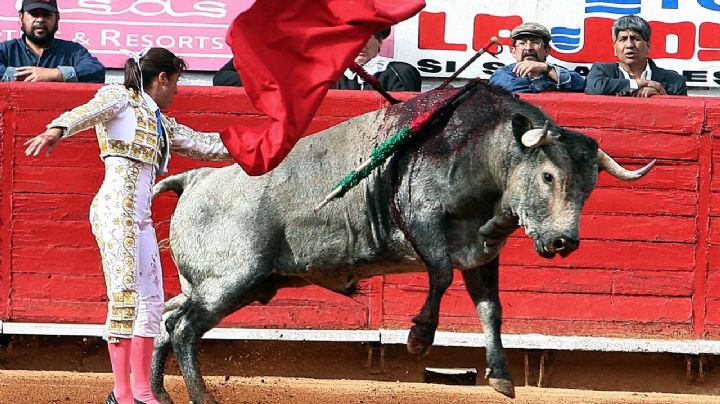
pixel 80 330
pixel 442 338
pixel 564 343
pixel 294 335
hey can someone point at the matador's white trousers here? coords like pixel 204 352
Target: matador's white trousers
pixel 122 224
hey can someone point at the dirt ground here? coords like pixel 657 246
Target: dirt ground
pixel 76 370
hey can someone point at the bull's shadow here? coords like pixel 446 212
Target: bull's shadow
pixel 447 200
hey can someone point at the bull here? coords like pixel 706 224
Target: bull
pixel 448 199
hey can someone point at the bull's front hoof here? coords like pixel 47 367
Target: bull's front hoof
pixel 416 346
pixel 503 386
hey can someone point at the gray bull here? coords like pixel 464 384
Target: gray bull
pixel 447 201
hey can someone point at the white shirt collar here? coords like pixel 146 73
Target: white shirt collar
pixel 645 75
pixel 375 65
pixel 150 102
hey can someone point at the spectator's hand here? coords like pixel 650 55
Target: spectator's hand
pixel 647 92
pixel 48 138
pixel 652 84
pixel 530 68
pixel 33 73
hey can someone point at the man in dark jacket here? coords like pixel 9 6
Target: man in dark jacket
pixel 392 75
pixel 227 76
pixel 634 74
pixel 39 56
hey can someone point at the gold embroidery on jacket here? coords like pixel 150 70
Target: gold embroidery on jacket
pixel 146 145
pixel 197 145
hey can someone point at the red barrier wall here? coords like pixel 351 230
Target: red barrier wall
pixel 647 266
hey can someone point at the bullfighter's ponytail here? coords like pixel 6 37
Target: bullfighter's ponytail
pixel 141 71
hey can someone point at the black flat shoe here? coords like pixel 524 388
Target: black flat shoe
pixel 111 399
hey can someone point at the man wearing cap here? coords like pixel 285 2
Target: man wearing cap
pixel 39 56
pixel 634 73
pixel 532 73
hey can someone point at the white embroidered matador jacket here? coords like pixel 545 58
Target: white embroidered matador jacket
pixel 125 125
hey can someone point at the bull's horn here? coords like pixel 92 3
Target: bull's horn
pixel 611 166
pixel 537 137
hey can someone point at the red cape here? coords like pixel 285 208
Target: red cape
pixel 288 54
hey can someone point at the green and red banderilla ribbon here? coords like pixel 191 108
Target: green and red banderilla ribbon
pixel 381 153
pixel 389 147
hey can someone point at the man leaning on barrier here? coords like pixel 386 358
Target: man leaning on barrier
pixel 634 73
pixel 39 56
pixel 532 73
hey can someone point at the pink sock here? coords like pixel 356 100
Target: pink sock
pixel 142 349
pixel 120 360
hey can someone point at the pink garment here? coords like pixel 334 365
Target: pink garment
pixel 142 349
pixel 120 360
pixel 126 193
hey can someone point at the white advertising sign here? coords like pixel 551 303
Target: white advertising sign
pixel 685 34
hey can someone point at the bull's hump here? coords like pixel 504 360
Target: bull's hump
pixel 423 103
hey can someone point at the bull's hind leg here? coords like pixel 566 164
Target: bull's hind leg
pixel 482 284
pixel 428 240
pixel 208 304
pixel 422 334
pixel 161 350
pixel 160 353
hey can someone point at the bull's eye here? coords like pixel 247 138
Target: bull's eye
pixel 548 178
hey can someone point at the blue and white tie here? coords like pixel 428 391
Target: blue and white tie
pixel 159 123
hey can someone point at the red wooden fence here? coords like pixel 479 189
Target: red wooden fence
pixel 647 266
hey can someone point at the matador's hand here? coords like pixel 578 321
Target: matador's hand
pixel 48 138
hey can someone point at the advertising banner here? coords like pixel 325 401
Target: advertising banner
pixel 194 30
pixel 685 34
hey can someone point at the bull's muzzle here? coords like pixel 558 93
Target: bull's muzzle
pixel 564 246
pixel 560 245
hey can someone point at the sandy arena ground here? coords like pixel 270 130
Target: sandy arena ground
pixel 76 370
pixel 34 387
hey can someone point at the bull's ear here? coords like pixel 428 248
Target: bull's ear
pixel 520 125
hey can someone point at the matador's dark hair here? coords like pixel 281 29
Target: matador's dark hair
pixel 152 63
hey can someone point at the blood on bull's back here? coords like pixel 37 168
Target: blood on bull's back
pixel 448 199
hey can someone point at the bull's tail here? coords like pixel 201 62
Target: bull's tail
pixel 180 182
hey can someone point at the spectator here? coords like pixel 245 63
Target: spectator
pixel 532 73
pixel 634 74
pixel 39 56
pixel 227 76
pixel 393 75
